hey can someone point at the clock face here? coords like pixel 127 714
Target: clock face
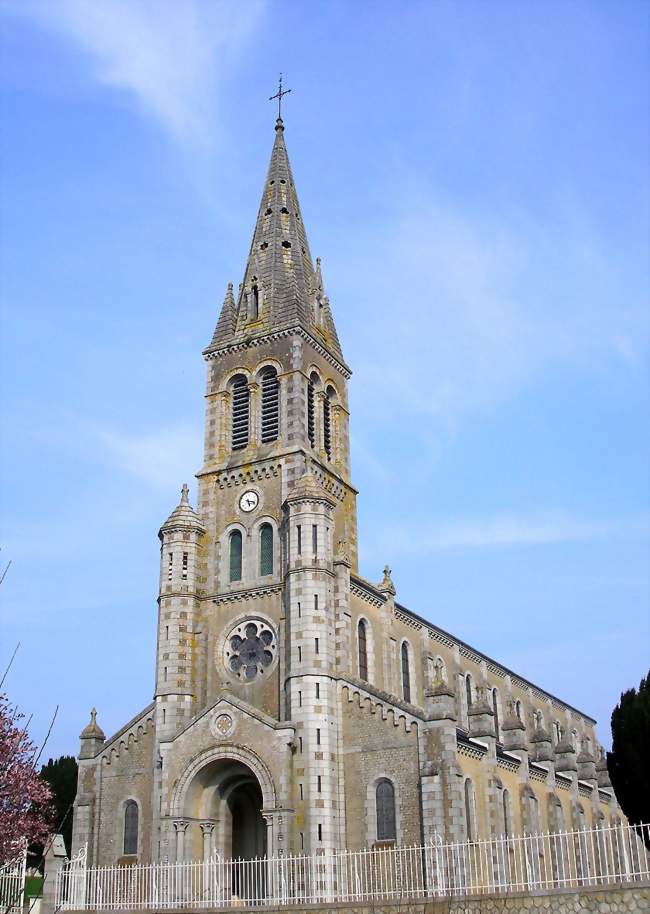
pixel 249 501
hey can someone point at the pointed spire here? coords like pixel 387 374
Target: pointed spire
pixel 227 319
pixel 183 516
pixel 280 283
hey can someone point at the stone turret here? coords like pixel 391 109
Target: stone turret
pixel 91 738
pixel 178 608
pixel 311 657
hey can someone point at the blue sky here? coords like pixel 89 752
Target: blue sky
pixel 475 179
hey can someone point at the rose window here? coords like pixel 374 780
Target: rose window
pixel 250 650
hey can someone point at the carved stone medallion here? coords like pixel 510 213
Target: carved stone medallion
pixel 222 725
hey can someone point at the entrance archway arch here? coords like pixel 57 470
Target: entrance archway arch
pixel 218 805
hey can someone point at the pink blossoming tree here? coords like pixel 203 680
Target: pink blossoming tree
pixel 25 799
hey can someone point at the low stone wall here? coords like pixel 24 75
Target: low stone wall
pixel 612 899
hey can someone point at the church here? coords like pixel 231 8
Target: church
pixel 299 707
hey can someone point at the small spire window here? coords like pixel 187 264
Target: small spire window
pixel 240 412
pixel 270 405
pixel 185 562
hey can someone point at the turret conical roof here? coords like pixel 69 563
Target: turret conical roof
pixel 280 289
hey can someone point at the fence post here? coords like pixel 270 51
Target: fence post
pixel 53 883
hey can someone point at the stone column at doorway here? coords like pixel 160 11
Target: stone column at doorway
pixel 277 826
pixel 180 827
pixel 208 838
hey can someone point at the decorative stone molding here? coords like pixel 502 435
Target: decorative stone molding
pixel 342 368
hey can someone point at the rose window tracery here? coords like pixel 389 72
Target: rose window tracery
pixel 250 650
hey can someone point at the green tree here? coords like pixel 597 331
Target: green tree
pixel 61 775
pixel 628 760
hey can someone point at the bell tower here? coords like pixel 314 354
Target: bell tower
pixel 276 406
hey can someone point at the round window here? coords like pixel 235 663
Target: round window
pixel 250 650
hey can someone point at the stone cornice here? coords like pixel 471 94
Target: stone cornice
pixel 248 593
pixel 366 591
pixel 210 354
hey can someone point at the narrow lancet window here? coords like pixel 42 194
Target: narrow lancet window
pixel 266 549
pixel 406 672
pixel 470 819
pixel 363 650
pixel 468 690
pixel 235 557
pixel 270 405
pixel 130 845
pixel 495 708
pixel 385 802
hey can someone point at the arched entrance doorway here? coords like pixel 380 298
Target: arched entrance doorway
pixel 223 804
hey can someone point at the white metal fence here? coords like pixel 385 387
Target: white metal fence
pixel 567 859
pixel 12 885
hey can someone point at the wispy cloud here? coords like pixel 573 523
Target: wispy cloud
pixel 170 57
pixel 478 305
pixel 498 531
pixel 162 457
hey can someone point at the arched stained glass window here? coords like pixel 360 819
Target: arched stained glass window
pixel 130 828
pixel 363 650
pixel 468 690
pixel 270 405
pixel 406 672
pixel 266 549
pixel 235 547
pixel 240 412
pixel 385 801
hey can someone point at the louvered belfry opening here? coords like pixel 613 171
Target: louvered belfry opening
pixel 311 424
pixel 270 405
pixel 240 412
pixel 329 399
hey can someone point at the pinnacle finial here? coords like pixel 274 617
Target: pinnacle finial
pixel 185 494
pixel 93 716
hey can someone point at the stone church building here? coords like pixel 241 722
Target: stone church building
pixel 297 705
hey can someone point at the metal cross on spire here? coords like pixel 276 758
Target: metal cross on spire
pixel 279 94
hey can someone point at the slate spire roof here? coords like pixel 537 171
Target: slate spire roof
pixel 281 289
